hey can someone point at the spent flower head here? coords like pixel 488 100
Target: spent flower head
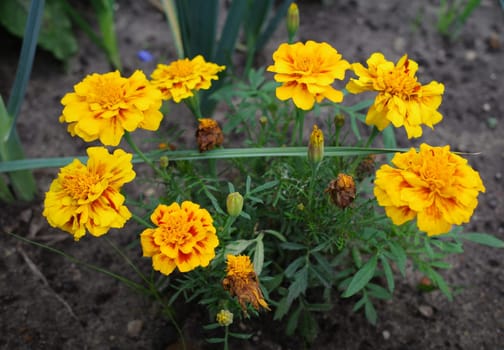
pixel 241 280
pixel 401 99
pixel 180 79
pixel 104 106
pixel 184 238
pixel 307 71
pixel 86 197
pixel 434 185
pixel 209 134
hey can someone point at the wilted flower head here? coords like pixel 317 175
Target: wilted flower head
pixel 434 185
pixel 242 281
pixel 184 238
pixel 342 190
pixel 181 78
pixel 224 317
pixel 87 197
pixel 103 106
pixel 307 71
pixel 401 99
pixel 316 145
pixel 209 134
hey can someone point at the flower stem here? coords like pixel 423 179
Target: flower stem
pixel 137 150
pixel 299 126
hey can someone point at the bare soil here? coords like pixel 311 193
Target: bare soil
pixel 49 302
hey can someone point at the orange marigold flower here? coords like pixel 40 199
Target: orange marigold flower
pixel 433 185
pixel 401 99
pixel 181 78
pixel 307 71
pixel 103 106
pixel 87 197
pixel 185 237
pixel 242 281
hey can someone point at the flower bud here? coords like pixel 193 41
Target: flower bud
pixel 316 146
pixel 224 317
pixel 292 20
pixel 342 190
pixel 234 203
pixel 163 161
pixel 339 120
pixel 209 134
pixel 263 120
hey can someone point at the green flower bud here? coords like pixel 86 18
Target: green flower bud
pixel 292 20
pixel 163 161
pixel 316 146
pixel 234 204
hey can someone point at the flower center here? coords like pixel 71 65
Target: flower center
pixel 107 92
pixel 399 83
pixel 182 68
pixel 80 185
pixel 176 232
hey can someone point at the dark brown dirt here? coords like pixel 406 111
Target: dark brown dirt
pixel 48 302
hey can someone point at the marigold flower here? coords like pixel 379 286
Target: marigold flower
pixel 307 71
pixel 184 238
pixel 316 146
pixel 209 134
pixel 401 99
pixel 224 318
pixel 87 197
pixel 242 281
pixel 103 106
pixel 181 78
pixel 434 185
pixel 342 190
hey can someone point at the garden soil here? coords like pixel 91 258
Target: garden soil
pixel 50 302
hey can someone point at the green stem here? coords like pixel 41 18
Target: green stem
pixel 226 337
pixel 138 287
pixel 194 105
pixel 137 150
pixel 299 126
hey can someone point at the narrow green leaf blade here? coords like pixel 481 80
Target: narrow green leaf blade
pixel 362 277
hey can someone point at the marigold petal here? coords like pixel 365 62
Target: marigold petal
pixel 163 264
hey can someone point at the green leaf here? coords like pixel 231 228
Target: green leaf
pixel 389 276
pixel 238 246
pixel 215 340
pixel 293 321
pixel 362 277
pixel 399 256
pixel 240 335
pixel 370 312
pixel 294 266
pixel 378 292
pixel 483 239
pixel 259 256
pixel 358 305
pixel 299 285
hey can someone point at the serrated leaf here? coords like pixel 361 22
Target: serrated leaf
pixel 299 285
pixel 293 321
pixel 399 256
pixel 362 277
pixel 238 246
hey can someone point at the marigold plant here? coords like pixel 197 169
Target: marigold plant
pixel 86 197
pixel 104 106
pixel 401 99
pixel 434 185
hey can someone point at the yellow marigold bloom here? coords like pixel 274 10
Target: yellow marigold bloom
pixel 307 71
pixel 401 99
pixel 181 78
pixel 224 317
pixel 434 185
pixel 103 106
pixel 87 197
pixel 184 238
pixel 242 281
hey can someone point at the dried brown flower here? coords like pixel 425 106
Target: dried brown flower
pixel 209 134
pixel 342 190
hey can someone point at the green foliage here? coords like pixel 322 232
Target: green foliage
pixel 56 33
pixel 452 16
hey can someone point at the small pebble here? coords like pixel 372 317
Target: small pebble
pixel 498 176
pixel 491 122
pixel 426 310
pixel 134 328
pixel 386 335
pixel 399 44
pixel 470 55
pixel 486 107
